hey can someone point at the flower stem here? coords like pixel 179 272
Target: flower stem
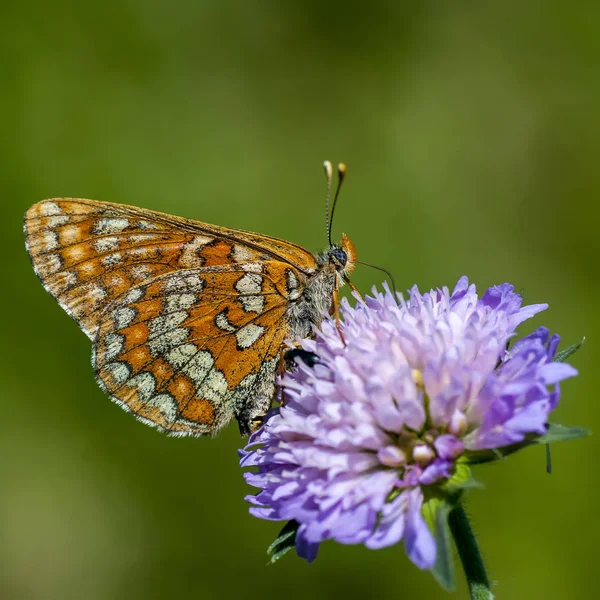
pixel 470 557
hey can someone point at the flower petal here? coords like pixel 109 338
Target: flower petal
pixel 391 525
pixel 418 540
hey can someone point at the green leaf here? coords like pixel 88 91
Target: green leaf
pixel 435 513
pixel 559 433
pixel 285 541
pixel 564 354
pixel 477 457
pixel 555 433
pixel 461 480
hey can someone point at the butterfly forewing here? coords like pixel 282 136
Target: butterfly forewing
pixel 188 318
pixel 88 253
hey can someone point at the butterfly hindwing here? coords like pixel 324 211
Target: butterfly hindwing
pixel 191 349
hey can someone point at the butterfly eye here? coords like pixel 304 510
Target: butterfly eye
pixel 339 256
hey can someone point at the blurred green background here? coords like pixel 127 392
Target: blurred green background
pixel 472 135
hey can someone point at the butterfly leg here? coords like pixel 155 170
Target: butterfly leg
pixel 282 367
pixel 353 288
pixel 336 312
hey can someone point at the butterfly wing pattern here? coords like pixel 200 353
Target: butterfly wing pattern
pixel 187 319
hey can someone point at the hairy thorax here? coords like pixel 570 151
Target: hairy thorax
pixel 315 301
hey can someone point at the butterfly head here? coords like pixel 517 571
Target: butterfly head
pixel 343 257
pixel 340 256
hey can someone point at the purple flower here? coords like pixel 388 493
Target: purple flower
pixel 381 422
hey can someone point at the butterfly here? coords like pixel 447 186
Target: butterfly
pixel 187 320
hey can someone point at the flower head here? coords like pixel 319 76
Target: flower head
pixel 383 419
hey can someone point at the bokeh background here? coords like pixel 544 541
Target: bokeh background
pixel 472 135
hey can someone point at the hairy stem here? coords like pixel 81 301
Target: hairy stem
pixel 470 557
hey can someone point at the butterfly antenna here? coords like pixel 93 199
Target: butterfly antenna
pixel 390 276
pixel 341 169
pixel 328 179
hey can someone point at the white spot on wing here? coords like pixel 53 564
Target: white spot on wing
pixel 248 334
pixel 194 283
pixel 145 384
pixel 167 322
pixel 133 295
pixel 189 256
pixel 250 283
pixel 174 283
pixel 52 263
pixel 110 226
pixel 253 303
pixel 202 240
pixel 180 301
pixel 222 322
pixel 119 372
pixel 199 366
pixel 170 339
pixel 180 283
pixel 112 259
pixel 48 209
pixel 166 405
pixel 105 244
pixel 49 240
pixel 147 225
pixel 140 238
pixel 140 271
pixel 214 387
pixel 252 267
pixel 114 345
pixel 241 253
pixel 96 293
pixel 117 281
pixel 123 316
pixel 144 252
pixel 180 355
pixel 57 221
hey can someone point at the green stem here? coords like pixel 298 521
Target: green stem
pixel 470 557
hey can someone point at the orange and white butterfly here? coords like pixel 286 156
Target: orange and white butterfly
pixel 187 319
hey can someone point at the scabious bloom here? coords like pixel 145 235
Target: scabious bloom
pixel 381 422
